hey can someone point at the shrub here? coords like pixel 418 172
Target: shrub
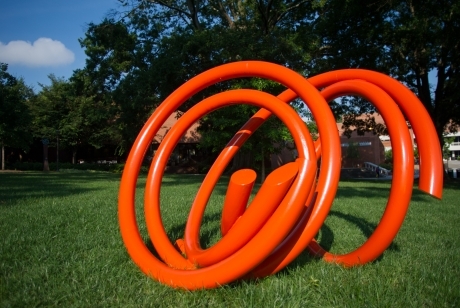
pixel 387 166
pixel 36 166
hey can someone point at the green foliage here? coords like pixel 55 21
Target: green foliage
pixel 416 154
pixel 354 121
pixel 388 166
pixel 389 156
pixel 64 167
pixel 55 112
pixel 30 166
pixel 109 47
pixel 97 109
pixel 143 52
pixel 352 150
pixel 217 128
pixel 14 114
pixel 446 145
pixel 407 39
pixel 74 112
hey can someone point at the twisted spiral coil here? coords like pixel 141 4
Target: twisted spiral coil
pixel 291 205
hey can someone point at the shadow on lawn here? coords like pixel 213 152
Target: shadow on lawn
pixel 15 187
pixel 368 190
pixel 196 180
pixel 177 232
pixel 362 189
pixel 367 228
pixel 206 236
pixel 327 237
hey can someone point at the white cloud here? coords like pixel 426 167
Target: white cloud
pixel 43 52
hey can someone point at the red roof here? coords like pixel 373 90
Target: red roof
pixel 191 136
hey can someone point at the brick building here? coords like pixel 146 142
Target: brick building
pixel 355 150
pixel 187 145
pixel 359 149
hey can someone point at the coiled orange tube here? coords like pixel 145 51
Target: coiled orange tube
pixel 291 206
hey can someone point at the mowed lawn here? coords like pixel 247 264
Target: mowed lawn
pixel 60 246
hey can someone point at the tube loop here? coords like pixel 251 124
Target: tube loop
pixel 289 209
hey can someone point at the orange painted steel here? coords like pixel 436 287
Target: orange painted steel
pixel 289 209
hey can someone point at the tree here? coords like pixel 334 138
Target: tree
pixel 97 109
pixel 141 54
pixel 445 147
pixel 50 109
pixel 199 15
pixel 117 82
pixel 409 39
pixel 219 127
pixel 389 156
pixel 67 109
pixel 352 152
pixel 14 114
pixel 109 47
pixel 147 51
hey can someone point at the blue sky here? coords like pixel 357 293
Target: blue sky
pixel 40 37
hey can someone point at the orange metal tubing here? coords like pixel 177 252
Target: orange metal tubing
pixel 153 219
pixel 239 263
pixel 291 206
pixel 403 160
pixel 236 198
pixel 431 177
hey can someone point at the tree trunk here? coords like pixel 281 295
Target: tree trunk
pixel 74 156
pixel 241 160
pixel 46 166
pixel 440 131
pixel 262 170
pixel 3 156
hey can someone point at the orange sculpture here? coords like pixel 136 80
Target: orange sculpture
pixel 292 204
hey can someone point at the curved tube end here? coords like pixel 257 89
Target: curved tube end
pixel 433 188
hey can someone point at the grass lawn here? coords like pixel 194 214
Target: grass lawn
pixel 60 246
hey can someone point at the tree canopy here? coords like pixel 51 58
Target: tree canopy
pixel 141 52
pixel 414 41
pixel 72 111
pixel 14 114
pixel 148 48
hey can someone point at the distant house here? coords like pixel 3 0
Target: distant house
pixel 368 147
pixel 355 150
pixel 187 145
pixel 454 147
pixel 191 136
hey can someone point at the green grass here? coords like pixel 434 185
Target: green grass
pixel 60 246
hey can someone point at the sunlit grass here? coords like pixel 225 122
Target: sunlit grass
pixel 60 246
